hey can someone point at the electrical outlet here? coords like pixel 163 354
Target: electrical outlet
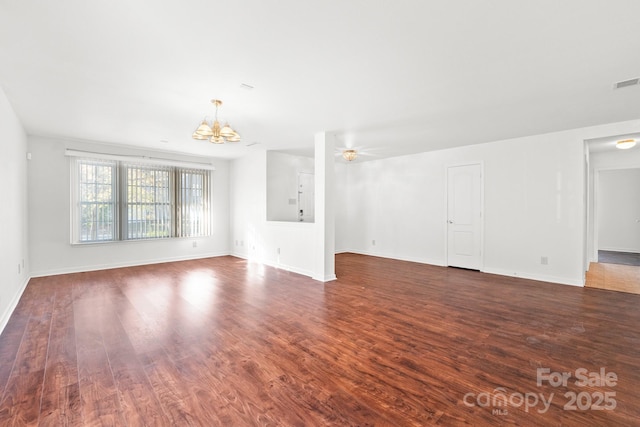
pixel 278 251
pixel 544 260
pixel 373 243
pixel 195 244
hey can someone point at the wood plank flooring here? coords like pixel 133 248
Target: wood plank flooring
pixel 226 342
pixel 613 277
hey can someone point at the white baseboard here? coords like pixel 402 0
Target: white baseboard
pixel 289 268
pixel 328 278
pixel 304 272
pixel 418 260
pixel 238 255
pixel 538 277
pixel 12 305
pixel 97 267
pixel 500 272
pixel 285 267
pixel 610 249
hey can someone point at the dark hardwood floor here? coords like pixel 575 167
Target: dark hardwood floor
pixel 221 341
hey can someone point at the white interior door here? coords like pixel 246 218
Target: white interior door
pixel 464 216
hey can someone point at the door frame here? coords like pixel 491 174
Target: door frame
pixel 446 209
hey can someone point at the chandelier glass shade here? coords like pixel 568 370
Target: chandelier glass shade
pixel 214 132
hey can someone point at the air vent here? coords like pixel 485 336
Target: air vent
pixel 627 83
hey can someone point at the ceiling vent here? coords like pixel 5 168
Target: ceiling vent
pixel 627 83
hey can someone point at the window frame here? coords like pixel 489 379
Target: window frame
pixel 119 183
pixel 125 204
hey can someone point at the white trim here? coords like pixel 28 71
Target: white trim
pixel 12 305
pixel 446 210
pixel 540 278
pixel 138 159
pixel 626 250
pixel 439 263
pixel 586 197
pixel 97 267
pixel 329 278
pixel 292 269
pixel 499 272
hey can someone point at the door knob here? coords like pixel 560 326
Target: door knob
pixel 450 222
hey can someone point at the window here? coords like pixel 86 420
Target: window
pixel 97 202
pixel 193 190
pixel 118 200
pixel 147 201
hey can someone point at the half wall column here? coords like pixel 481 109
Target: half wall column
pixel 324 270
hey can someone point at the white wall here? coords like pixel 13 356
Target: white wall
pixel 342 205
pixel 14 253
pixel 248 205
pixel 619 210
pixel 49 216
pixel 287 245
pixel 282 184
pixel 533 206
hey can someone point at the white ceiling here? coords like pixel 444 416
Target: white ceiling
pixel 386 77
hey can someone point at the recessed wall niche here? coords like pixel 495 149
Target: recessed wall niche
pixel 290 187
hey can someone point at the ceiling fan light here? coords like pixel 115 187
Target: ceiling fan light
pixel 217 140
pixel 349 155
pixel 625 144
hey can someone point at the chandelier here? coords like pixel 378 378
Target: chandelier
pixel 349 155
pixel 214 133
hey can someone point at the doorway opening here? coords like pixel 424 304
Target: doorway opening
pixel 613 235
